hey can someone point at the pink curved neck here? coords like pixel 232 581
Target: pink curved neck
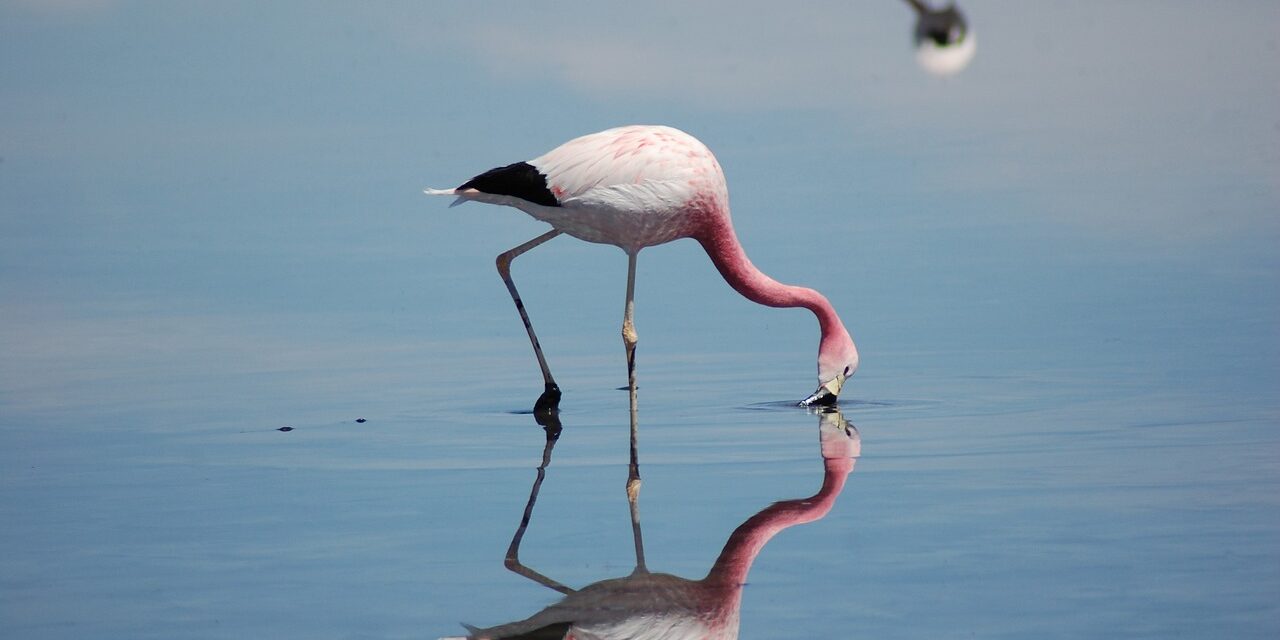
pixel 745 543
pixel 721 244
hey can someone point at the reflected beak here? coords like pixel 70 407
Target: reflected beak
pixel 826 395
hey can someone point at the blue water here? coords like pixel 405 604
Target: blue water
pixel 1059 266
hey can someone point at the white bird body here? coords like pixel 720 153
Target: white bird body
pixel 642 606
pixel 627 186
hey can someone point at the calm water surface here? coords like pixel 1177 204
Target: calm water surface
pixel 1017 505
pixel 1060 268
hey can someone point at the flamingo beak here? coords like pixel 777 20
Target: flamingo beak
pixel 827 393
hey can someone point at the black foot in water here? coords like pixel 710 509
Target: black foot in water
pixel 550 422
pixel 549 401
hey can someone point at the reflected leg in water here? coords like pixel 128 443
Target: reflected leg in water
pixel 633 501
pixel 550 398
pixel 551 424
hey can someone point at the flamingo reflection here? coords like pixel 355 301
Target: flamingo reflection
pixel 651 606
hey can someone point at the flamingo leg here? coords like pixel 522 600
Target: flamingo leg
pixel 633 501
pixel 633 491
pixel 629 339
pixel 512 562
pixel 550 398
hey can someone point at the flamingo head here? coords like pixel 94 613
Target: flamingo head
pixel 837 361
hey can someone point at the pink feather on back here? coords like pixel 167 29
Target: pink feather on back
pixel 629 155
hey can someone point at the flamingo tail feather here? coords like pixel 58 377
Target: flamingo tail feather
pixel 446 192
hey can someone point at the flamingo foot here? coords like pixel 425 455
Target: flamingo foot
pixel 550 423
pixel 549 401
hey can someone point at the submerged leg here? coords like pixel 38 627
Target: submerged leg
pixel 633 489
pixel 629 339
pixel 550 398
pixel 633 501
pixel 552 427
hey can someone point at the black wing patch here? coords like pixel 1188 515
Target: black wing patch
pixel 519 180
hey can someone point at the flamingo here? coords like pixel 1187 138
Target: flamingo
pixel 635 187
pixel 648 605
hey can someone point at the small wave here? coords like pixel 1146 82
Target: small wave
pixel 852 404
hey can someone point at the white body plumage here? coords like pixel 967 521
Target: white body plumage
pixel 627 186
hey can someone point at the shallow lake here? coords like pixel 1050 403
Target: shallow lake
pixel 254 384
